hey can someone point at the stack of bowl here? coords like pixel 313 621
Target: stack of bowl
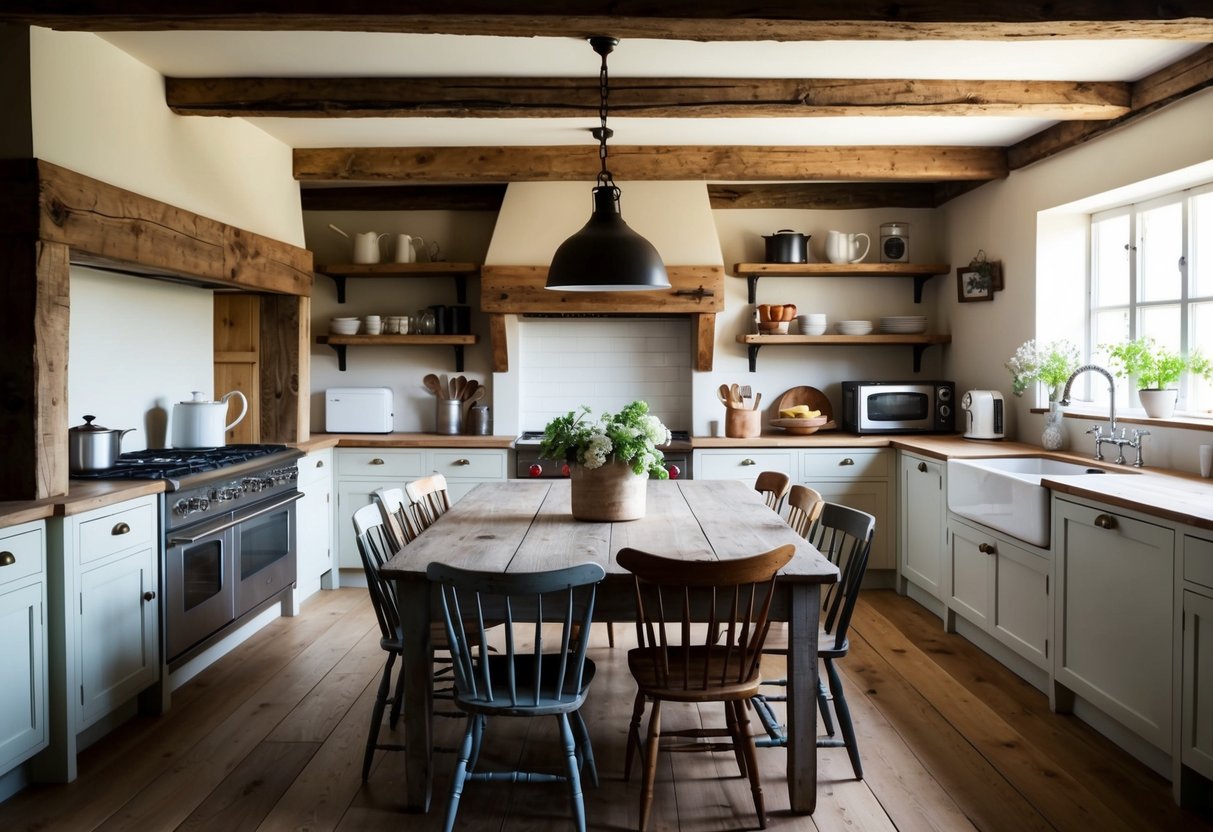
pixel 854 327
pixel 812 324
pixel 344 326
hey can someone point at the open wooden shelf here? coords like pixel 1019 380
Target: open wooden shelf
pixel 919 343
pixel 920 273
pixel 340 342
pixel 338 272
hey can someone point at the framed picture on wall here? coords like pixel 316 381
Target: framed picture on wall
pixel 972 285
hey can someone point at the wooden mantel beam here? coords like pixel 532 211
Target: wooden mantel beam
pixel 731 20
pixel 648 97
pixel 678 162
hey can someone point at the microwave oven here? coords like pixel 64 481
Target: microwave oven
pixel 898 406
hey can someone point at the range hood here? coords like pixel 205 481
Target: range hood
pixel 536 217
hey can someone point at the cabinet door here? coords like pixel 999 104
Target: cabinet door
pixel 351 496
pixel 922 520
pixel 1113 613
pixel 1196 745
pixel 23 657
pixel 118 636
pixel 970 573
pixel 1020 615
pixel 314 519
pixel 872 497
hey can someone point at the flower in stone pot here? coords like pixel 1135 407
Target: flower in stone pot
pixel 1050 364
pixel 1156 369
pixel 630 436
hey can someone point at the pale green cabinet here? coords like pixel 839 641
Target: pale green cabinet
pixel 23 726
pixel 922 521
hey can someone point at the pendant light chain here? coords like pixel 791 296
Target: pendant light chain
pixel 604 175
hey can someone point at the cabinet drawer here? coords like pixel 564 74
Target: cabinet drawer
pixel 742 464
pixel 315 467
pixel 843 463
pixel 1198 561
pixel 382 463
pixel 26 549
pixel 111 533
pixel 467 465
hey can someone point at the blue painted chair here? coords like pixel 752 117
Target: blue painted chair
pixel 520 680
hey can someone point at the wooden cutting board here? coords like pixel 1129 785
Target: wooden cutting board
pixel 811 396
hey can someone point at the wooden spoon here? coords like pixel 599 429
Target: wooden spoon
pixel 476 395
pixel 757 399
pixel 444 386
pixel 461 385
pixel 470 390
pixel 431 383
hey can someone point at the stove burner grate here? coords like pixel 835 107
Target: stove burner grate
pixel 172 463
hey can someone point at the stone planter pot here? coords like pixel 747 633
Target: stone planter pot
pixel 1158 404
pixel 608 494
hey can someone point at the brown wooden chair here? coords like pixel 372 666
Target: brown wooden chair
pixel 773 486
pixel 428 499
pixel 680 663
pixel 804 509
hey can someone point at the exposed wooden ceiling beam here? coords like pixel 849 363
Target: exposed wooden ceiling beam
pixel 782 20
pixel 404 198
pixel 648 97
pixel 836 196
pixel 1170 84
pixel 676 162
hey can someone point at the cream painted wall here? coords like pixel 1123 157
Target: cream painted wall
pixel 100 112
pixel 136 347
pixel 1002 218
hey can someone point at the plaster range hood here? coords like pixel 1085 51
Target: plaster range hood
pixel 536 217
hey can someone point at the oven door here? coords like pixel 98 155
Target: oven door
pixel 266 553
pixel 892 409
pixel 198 585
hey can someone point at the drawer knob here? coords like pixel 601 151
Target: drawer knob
pixel 377 461
pixel 922 466
pixel 986 548
pixel 320 463
pixel 7 558
pixel 149 595
pixel 463 462
pixel 847 461
pixel 748 461
pixel 121 528
pixel 1105 521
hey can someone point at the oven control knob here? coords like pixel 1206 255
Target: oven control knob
pixel 674 471
pixel 564 470
pixel 536 470
pixel 182 508
pixel 232 492
pixel 253 484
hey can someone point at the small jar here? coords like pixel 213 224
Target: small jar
pixel 479 422
pixel 426 324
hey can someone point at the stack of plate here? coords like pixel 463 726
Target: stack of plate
pixel 904 324
pixel 854 327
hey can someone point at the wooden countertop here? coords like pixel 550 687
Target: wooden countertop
pixel 82 496
pixel 319 441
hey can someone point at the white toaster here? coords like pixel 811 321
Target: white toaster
pixel 358 410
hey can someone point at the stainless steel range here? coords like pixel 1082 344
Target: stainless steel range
pixel 228 519
pixel 528 465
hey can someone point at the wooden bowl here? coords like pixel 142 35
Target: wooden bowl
pixel 801 426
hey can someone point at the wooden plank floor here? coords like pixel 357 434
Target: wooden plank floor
pixel 271 738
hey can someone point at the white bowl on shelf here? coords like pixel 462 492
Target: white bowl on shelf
pixel 812 329
pixel 854 327
pixel 339 326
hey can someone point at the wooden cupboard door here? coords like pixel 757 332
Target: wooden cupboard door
pixel 237 346
pixel 23 658
pixel 1196 744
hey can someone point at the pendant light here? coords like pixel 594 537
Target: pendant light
pixel 606 255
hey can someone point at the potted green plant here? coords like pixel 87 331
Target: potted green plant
pixel 1156 369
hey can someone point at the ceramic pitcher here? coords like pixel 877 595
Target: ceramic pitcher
pixel 366 247
pixel 844 248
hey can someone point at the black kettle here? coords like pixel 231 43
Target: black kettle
pixel 787 246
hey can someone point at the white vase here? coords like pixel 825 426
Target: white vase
pixel 1054 436
pixel 1158 404
pixel 608 494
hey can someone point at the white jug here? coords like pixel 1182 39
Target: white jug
pixel 404 249
pixel 366 247
pixel 199 423
pixel 842 247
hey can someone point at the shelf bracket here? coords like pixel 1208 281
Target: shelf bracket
pixel 340 281
pixel 920 280
pixel 340 350
pixel 461 290
pixel 751 282
pixel 752 349
pixel 918 351
pixel 459 358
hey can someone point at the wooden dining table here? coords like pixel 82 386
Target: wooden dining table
pixel 527 526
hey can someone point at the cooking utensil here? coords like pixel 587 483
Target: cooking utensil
pixel 757 399
pixel 723 391
pixel 472 386
pixel 444 386
pixel 477 395
pixel 461 384
pixel 787 246
pixel 735 395
pixel 199 423
pixel 431 383
pixel 93 448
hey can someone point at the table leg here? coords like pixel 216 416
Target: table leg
pixel 802 697
pixel 418 660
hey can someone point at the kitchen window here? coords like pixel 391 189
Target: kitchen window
pixel 1152 276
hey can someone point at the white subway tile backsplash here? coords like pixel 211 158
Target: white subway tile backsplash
pixel 605 364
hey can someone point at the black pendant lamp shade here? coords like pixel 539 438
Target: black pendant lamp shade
pixel 606 255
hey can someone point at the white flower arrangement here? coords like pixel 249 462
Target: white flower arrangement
pixel 630 436
pixel 1051 364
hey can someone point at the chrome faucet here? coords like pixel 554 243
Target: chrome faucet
pixel 1119 441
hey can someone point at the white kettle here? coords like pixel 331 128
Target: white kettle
pixel 200 423
pixel 844 248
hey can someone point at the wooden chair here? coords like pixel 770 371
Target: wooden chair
pixel 375 547
pixel 719 663
pixel 399 520
pixel 804 509
pixel 428 500
pixel 773 486
pixel 521 682
pixel 844 535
